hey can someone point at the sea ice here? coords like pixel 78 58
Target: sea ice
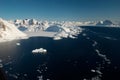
pixel 103 56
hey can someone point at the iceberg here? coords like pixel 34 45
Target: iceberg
pixel 40 50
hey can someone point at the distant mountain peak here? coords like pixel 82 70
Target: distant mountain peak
pixel 105 22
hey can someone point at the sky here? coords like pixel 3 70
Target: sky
pixel 74 10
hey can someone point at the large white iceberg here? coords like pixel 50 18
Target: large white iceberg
pixel 40 50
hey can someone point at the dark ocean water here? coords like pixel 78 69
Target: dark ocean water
pixel 94 55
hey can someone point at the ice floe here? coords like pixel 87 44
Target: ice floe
pixel 18 44
pixel 94 44
pixel 103 56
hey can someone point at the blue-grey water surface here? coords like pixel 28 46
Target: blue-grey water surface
pixel 66 59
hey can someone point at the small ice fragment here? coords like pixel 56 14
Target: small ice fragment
pixel 40 77
pixel 98 52
pixel 57 38
pixel 94 44
pixel 39 71
pixel 18 44
pixel 92 70
pixel 99 72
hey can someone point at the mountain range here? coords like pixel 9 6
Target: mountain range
pixel 10 30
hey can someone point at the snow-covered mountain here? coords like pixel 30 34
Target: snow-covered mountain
pixel 61 29
pixel 33 25
pixel 106 23
pixel 9 32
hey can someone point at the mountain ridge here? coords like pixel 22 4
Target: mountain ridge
pixel 9 32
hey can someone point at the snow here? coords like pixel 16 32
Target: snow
pixel 107 23
pixel 9 32
pixel 40 50
pixel 34 28
pixel 55 29
pixel 40 33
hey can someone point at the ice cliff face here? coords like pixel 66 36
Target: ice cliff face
pixel 9 32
